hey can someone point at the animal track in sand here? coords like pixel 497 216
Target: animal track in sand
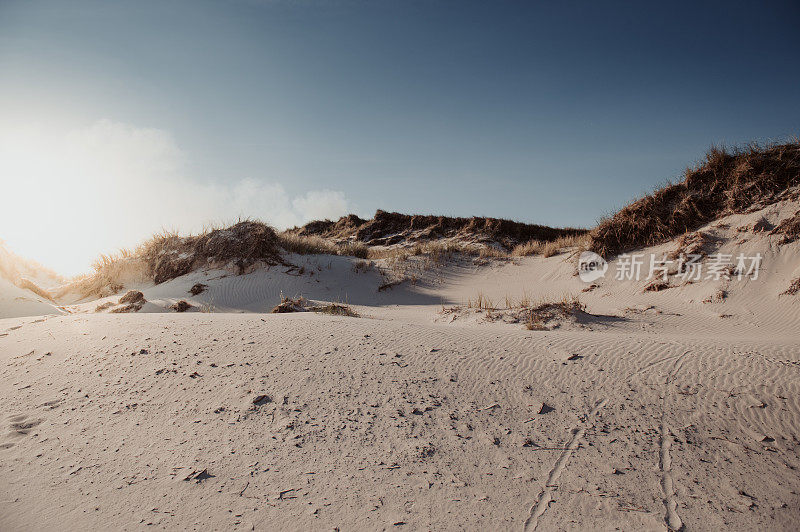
pixel 546 495
pixel 671 518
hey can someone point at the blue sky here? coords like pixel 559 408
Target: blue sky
pixel 553 113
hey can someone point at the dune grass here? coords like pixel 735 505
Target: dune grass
pixel 553 247
pixel 725 182
pixel 316 245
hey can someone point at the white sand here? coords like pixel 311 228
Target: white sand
pixel 655 410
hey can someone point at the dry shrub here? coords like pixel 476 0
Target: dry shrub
pixel 20 272
pixel 789 228
pixel 538 317
pixel 288 304
pixel 198 288
pixel 301 304
pixel 181 306
pixel 720 295
pixel 725 182
pixel 111 273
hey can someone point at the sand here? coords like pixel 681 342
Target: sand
pixel 676 409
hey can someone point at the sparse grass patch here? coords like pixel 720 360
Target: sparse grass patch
pixel 315 245
pixel 553 247
pixel 335 310
pixel 545 315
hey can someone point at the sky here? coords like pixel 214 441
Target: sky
pixel 118 119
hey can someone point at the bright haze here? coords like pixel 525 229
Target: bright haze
pixel 118 119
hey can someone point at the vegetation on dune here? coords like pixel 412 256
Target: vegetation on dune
pixel 301 304
pixel 391 228
pixel 243 244
pixel 725 182
pixel 317 245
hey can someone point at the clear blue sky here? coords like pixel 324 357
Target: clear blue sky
pixel 548 112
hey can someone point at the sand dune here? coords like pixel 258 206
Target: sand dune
pixel 648 410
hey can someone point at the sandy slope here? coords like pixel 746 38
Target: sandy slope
pixel 652 411
pixel 17 302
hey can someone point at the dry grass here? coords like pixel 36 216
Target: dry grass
pixel 437 252
pixel 335 309
pixel 724 182
pixel 481 302
pixel 315 245
pixel 554 247
pixel 409 263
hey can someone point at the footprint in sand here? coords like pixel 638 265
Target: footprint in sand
pixel 21 425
